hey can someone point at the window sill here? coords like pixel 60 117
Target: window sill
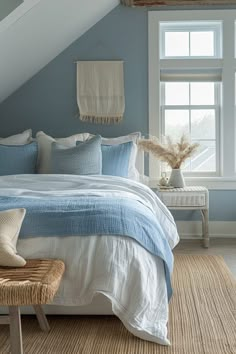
pixel 214 183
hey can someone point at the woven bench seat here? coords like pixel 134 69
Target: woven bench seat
pixel 34 284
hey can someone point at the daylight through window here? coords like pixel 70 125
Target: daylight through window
pixel 192 87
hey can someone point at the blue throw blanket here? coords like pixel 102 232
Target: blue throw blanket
pixel 84 216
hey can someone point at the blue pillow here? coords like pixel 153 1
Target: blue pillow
pixel 83 159
pixel 18 159
pixel 115 159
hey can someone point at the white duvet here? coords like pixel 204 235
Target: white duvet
pixel 118 267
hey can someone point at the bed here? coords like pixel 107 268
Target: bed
pixel 114 235
pixel 117 266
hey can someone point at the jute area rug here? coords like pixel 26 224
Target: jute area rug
pixel 202 319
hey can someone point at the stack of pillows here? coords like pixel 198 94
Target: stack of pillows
pixel 80 154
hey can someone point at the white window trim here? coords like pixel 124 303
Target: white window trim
pixel 192 26
pixel 227 178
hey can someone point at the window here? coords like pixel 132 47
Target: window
pixel 187 106
pixel 192 108
pixel 192 70
pixel 190 39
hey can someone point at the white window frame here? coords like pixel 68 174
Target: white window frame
pixel 193 26
pixel 226 65
pixel 215 107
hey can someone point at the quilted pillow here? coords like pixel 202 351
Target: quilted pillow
pixel 45 144
pixel 133 173
pixel 10 224
pixel 83 159
pixel 116 158
pixel 18 139
pixel 18 159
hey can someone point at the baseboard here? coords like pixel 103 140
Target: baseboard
pixel 217 229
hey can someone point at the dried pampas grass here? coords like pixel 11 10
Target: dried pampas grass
pixel 174 154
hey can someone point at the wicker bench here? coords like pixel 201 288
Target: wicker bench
pixel 34 284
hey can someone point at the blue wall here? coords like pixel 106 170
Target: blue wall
pixel 48 101
pixel 222 207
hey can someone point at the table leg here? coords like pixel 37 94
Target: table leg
pixel 15 330
pixel 205 228
pixel 42 319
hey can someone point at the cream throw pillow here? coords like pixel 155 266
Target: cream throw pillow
pixel 10 224
pixel 18 139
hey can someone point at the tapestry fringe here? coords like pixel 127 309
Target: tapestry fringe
pixel 101 120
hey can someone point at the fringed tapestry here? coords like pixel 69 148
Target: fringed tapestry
pixel 100 91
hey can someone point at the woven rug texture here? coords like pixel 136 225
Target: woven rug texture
pixel 202 319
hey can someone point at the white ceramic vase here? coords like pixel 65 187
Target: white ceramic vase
pixel 176 179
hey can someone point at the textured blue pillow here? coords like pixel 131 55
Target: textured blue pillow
pixel 83 159
pixel 115 159
pixel 18 159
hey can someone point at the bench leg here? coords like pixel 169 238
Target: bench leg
pixel 42 320
pixel 15 330
pixel 205 227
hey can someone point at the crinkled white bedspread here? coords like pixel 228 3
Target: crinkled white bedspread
pixel 118 267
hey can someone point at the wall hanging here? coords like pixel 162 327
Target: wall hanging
pixel 100 91
pixel 176 2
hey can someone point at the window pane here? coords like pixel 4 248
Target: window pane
pixel 176 44
pixel 177 93
pixel 204 159
pixel 203 124
pixel 176 123
pixel 202 93
pixel 202 44
pixel 186 166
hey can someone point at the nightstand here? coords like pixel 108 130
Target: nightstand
pixel 189 198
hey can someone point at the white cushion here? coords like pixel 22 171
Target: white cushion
pixel 10 224
pixel 133 173
pixel 18 139
pixel 44 145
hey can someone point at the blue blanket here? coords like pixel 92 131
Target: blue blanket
pixel 84 216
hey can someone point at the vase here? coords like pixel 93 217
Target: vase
pixel 176 179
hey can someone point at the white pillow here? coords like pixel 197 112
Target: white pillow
pixel 10 224
pixel 18 139
pixel 44 147
pixel 133 173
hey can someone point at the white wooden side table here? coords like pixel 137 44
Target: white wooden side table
pixel 189 198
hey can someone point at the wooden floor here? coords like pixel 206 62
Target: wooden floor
pixel 224 247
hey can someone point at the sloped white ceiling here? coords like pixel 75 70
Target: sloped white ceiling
pixel 7 6
pixel 41 34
